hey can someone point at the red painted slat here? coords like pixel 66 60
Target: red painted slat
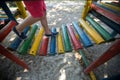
pixel 75 41
pixel 6 30
pixel 12 57
pixel 106 13
pixel 111 52
pixel 44 46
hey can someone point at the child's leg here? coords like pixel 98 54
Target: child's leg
pixel 45 24
pixel 28 21
pixel 37 10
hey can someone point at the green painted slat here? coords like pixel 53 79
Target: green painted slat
pixel 81 52
pixel 67 44
pixel 99 28
pixel 25 46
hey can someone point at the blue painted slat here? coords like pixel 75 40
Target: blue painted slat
pixel 53 43
pixel 83 36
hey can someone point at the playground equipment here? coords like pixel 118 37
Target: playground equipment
pixel 66 39
pixel 111 19
pixel 99 28
pixel 74 39
pixel 108 22
pixel 115 18
pixel 94 35
pixel 60 46
pixel 9 55
pixel 5 31
pixel 15 44
pixel 83 36
pixel 78 47
pixel 21 9
pixel 44 46
pixel 67 43
pixel 53 43
pixel 108 9
pixel 112 51
pixel 36 42
pixel 111 6
pixel 26 44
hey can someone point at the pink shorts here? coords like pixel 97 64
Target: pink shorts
pixel 37 8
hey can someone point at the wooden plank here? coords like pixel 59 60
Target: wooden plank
pixel 67 43
pixel 99 28
pixel 53 43
pixel 75 41
pixel 60 46
pixel 23 49
pixel 106 13
pixel 44 46
pixel 36 42
pixel 111 52
pixel 6 30
pixel 12 57
pixel 93 34
pixel 83 36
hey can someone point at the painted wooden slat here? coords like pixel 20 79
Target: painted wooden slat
pixel 23 49
pixel 12 57
pixel 83 36
pixel 67 43
pixel 60 46
pixel 111 6
pixel 108 9
pixel 86 8
pixel 75 41
pixel 111 52
pixel 81 52
pixel 110 23
pixel 21 8
pixel 6 30
pixel 99 28
pixel 93 34
pixel 53 43
pixel 44 46
pixel 36 42
pixel 106 13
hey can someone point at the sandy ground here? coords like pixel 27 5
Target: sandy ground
pixel 59 67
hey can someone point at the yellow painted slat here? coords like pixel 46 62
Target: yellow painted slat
pixel 36 42
pixel 93 34
pixel 60 42
pixel 92 75
pixel 86 8
pixel 21 8
pixel 111 6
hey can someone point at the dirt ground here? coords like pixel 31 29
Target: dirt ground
pixel 64 66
